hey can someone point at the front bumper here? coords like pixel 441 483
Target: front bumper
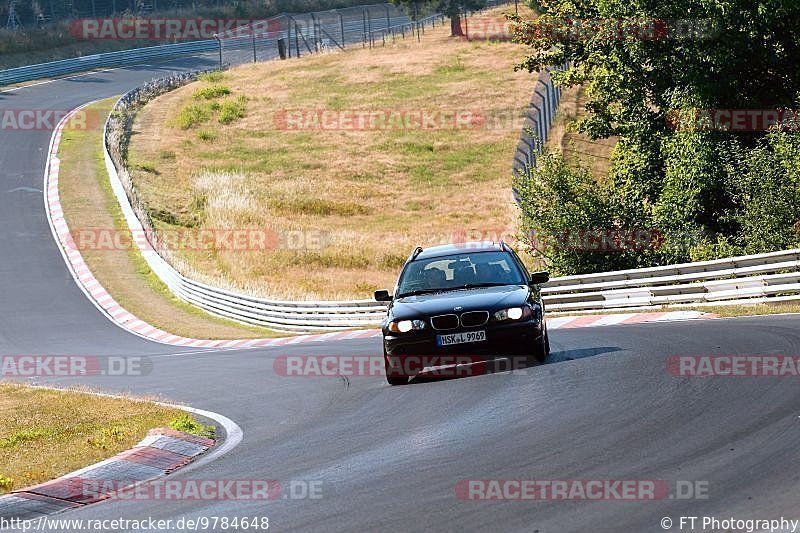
pixel 509 338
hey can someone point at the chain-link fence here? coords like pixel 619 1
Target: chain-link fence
pixel 296 35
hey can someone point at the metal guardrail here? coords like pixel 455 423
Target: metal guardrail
pixel 536 126
pixel 55 69
pixel 745 279
pixel 350 23
pixel 538 120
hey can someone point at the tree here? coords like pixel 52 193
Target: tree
pixel 449 8
pixel 646 64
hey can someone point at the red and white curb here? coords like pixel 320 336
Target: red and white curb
pixel 117 314
pixel 588 321
pixel 163 451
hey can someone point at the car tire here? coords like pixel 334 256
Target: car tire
pixel 542 348
pixel 390 379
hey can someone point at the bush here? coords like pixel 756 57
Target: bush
pixel 232 110
pixel 192 115
pixel 209 93
pixel 561 201
pixel 212 77
pixel 767 192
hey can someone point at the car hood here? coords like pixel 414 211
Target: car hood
pixel 486 298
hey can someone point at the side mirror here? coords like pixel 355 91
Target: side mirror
pixel 383 296
pixel 537 278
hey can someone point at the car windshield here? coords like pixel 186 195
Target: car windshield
pixel 477 269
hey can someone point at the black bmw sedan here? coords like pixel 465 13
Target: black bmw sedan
pixel 472 299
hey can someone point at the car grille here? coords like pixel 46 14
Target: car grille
pixel 472 319
pixel 442 322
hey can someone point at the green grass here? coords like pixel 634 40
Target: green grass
pixel 212 77
pixel 49 433
pixel 211 92
pixel 749 310
pixel 187 424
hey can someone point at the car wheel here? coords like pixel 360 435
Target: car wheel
pixel 547 342
pixel 542 348
pixel 390 377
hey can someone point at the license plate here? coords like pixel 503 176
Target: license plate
pixel 461 338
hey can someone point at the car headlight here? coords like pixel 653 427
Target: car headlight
pixel 404 326
pixel 513 313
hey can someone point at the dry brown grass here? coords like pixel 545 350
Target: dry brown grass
pixel 47 433
pixel 88 202
pixel 374 193
pixel 596 155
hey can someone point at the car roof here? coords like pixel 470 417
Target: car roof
pixel 460 248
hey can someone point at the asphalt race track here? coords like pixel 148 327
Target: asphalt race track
pixel 602 407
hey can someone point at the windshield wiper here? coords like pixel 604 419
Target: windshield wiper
pixel 479 285
pixel 417 292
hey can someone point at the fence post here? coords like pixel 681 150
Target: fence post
pixel 317 37
pixel 388 18
pixel 219 42
pixel 341 27
pixel 282 49
pixel 253 33
pixel 364 23
pixel 296 40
